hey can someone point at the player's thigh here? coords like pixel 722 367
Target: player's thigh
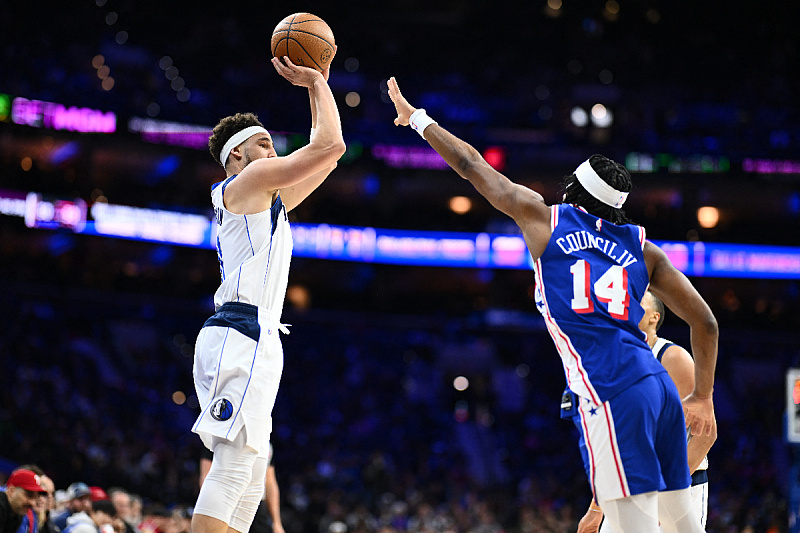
pixel 671 438
pixel 635 416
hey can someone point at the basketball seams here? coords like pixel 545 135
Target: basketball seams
pixel 305 33
pixel 302 21
pixel 303 48
pixel 322 45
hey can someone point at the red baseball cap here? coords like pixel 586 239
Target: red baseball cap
pixel 98 494
pixel 25 479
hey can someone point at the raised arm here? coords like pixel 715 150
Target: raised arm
pixel 522 204
pixel 677 293
pixel 294 195
pixel 254 189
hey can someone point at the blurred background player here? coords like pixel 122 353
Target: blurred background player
pixel 592 268
pixel 254 247
pixel 680 366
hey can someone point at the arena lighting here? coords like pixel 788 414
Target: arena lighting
pixel 376 245
pixel 496 157
pixel 396 156
pixel 173 133
pixel 579 117
pixel 697 163
pixel 460 205
pixel 50 115
pixel 708 216
pixel 5 107
pixel 771 166
pixel 602 117
pixel 793 405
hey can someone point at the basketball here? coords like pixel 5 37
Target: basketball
pixel 306 39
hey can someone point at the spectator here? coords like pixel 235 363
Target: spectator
pixel 45 503
pixel 100 519
pixel 122 503
pixel 79 497
pixel 22 489
pixel 98 494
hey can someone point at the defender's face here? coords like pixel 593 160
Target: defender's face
pixel 647 305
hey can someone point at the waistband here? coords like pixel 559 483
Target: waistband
pixel 239 308
pixel 250 310
pixel 699 477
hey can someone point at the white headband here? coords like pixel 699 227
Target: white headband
pixel 597 187
pixel 237 139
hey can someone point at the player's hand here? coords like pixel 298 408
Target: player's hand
pixel 297 75
pixel 277 528
pixel 404 109
pixel 699 413
pixel 590 523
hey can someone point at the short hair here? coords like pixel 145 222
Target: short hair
pixel 659 308
pixel 613 173
pixel 227 128
pixel 32 467
pixel 104 506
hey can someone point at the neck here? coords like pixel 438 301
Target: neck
pixel 651 339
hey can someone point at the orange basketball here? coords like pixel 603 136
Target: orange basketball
pixel 306 39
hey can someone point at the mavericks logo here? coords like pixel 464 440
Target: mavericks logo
pixel 222 409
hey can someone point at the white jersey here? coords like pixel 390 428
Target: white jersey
pixel 658 348
pixel 238 355
pixel 254 253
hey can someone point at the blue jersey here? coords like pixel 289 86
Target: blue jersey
pixel 590 280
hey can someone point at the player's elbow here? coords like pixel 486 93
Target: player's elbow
pixel 710 325
pixel 336 148
pixel 331 150
pixel 471 165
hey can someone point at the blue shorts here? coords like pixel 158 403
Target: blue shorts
pixel 635 442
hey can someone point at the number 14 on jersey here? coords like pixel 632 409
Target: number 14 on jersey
pixel 611 288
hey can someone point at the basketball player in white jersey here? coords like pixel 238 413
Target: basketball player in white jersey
pixel 680 366
pixel 238 356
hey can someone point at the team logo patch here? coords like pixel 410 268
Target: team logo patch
pixel 222 409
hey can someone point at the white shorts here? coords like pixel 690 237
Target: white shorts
pixel 700 501
pixel 238 363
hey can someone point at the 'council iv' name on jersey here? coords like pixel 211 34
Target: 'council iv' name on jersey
pixel 583 240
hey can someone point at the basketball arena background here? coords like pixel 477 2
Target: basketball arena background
pixel 417 372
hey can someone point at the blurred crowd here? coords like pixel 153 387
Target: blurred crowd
pixel 96 397
pixel 370 433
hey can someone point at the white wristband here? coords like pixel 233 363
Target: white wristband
pixel 311 135
pixel 419 120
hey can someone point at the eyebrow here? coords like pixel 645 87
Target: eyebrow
pixel 265 138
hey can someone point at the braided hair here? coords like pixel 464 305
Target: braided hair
pixel 611 172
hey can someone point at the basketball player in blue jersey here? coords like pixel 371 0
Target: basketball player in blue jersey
pixel 592 268
pixel 238 356
pixel 680 367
